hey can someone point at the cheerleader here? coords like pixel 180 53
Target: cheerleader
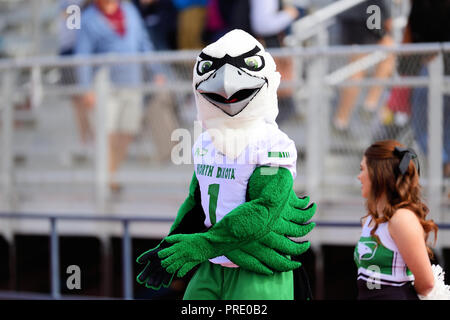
pixel 392 255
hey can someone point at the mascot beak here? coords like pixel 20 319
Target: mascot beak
pixel 230 88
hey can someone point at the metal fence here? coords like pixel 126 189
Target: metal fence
pixel 127 258
pixel 43 153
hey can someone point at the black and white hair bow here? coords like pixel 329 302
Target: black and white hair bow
pixel 406 155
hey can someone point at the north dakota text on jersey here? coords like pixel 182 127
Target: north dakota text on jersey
pixel 208 170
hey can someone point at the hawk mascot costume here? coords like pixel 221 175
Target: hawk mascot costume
pixel 242 220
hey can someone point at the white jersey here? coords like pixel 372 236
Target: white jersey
pixel 223 182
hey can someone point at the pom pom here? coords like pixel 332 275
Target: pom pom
pixel 440 291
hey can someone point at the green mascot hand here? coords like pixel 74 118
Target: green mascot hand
pixel 186 251
pixel 154 275
pixel 293 222
pixel 266 254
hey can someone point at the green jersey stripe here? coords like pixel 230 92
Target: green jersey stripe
pixel 277 154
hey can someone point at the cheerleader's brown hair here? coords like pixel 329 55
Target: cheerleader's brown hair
pixel 393 173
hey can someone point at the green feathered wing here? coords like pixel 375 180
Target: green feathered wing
pixel 267 254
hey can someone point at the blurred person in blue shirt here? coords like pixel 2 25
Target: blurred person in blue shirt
pixel 113 26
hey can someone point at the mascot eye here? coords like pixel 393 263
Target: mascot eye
pixel 254 63
pixel 204 66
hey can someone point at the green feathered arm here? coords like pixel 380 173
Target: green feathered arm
pixel 190 219
pixel 269 253
pixel 258 219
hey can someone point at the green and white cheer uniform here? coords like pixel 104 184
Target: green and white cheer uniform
pixel 380 263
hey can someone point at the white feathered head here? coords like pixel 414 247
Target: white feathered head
pixel 235 82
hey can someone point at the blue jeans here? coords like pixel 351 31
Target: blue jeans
pixel 419 119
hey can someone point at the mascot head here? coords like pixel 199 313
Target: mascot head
pixel 236 79
pixel 235 84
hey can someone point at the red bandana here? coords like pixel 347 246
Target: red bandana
pixel 116 20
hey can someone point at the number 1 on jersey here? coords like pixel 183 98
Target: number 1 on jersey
pixel 213 192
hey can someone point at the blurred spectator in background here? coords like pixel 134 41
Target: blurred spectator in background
pixel 270 21
pixel 113 26
pixel 159 116
pixel 67 41
pixel 429 21
pixel 354 30
pixel 223 16
pixel 216 25
pixel 160 19
pixel 226 15
pixel 190 23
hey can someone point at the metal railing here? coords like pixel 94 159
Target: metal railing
pixel 127 258
pixel 313 91
pixel 316 25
